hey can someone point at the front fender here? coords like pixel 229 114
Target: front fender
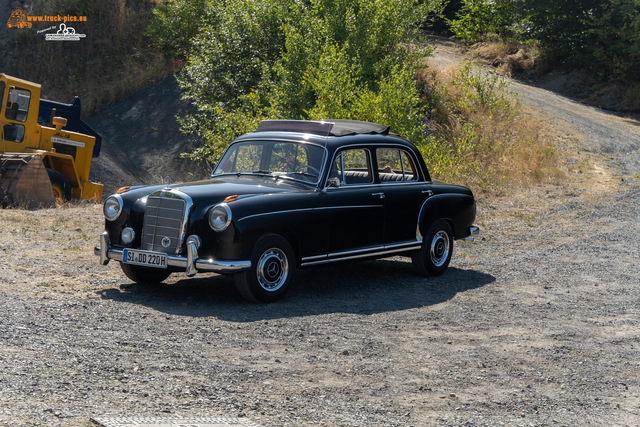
pixel 299 217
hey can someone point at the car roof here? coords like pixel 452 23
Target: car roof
pixel 329 133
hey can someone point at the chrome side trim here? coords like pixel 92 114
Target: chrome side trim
pixel 400 245
pixel 357 206
pixel 313 258
pixel 360 253
pixel 309 209
pixel 363 255
pixel 386 183
pixel 212 265
pixel 352 186
pixel 280 212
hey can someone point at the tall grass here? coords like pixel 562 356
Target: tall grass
pixel 115 57
pixel 484 137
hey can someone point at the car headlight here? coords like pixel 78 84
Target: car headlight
pixel 127 236
pixel 220 217
pixel 112 207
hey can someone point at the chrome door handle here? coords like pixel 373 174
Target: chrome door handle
pixel 428 192
pixel 378 194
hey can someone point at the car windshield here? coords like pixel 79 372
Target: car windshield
pixel 291 160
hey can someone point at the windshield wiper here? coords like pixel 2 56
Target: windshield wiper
pixel 264 171
pixel 303 173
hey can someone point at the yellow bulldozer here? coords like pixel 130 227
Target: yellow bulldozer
pixel 45 148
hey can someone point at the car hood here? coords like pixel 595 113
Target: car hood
pixel 217 189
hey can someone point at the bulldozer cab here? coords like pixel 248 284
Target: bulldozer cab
pixel 18 114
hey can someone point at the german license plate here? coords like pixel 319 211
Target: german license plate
pixel 146 258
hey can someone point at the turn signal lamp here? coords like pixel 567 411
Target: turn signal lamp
pixel 123 189
pixel 230 198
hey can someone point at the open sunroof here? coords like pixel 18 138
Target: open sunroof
pixel 324 128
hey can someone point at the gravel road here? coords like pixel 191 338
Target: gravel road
pixel 536 323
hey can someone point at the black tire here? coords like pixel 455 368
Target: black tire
pixel 4 201
pixel 60 185
pixel 434 256
pixel 144 275
pixel 272 270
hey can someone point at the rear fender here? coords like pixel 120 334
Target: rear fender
pixel 457 209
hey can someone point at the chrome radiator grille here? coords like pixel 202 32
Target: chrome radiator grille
pixel 164 222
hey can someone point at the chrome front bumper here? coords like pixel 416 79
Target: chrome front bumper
pixel 191 264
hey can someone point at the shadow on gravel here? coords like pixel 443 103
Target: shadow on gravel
pixel 361 288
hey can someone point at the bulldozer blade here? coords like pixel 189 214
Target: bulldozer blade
pixel 24 182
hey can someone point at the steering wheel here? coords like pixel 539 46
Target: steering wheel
pixel 308 168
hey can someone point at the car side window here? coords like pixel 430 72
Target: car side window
pixel 352 167
pixel 395 165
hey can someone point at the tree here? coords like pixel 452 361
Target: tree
pixel 301 59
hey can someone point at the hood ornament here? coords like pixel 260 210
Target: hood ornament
pixel 167 180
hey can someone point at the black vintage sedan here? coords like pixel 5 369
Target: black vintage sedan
pixel 290 195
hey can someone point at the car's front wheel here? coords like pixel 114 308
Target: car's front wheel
pixel 434 256
pixel 271 273
pixel 144 275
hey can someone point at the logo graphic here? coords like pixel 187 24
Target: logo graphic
pixel 166 242
pixel 18 19
pixel 65 34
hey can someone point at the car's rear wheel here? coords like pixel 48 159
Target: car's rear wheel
pixel 271 273
pixel 434 256
pixel 144 275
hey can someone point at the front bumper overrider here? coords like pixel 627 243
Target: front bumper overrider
pixel 191 264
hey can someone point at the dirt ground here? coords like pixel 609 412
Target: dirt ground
pixel 537 322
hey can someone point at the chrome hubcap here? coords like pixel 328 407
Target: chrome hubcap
pixel 272 269
pixel 439 248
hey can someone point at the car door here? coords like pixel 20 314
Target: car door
pixel 404 194
pixel 355 203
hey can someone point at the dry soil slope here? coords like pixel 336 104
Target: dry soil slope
pixel 142 142
pixel 615 135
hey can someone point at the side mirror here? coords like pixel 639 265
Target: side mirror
pixel 333 182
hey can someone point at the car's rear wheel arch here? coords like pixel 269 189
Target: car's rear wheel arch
pixel 436 208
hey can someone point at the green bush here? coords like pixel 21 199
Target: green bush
pixel 481 136
pixel 255 59
pixel 603 36
pixel 174 23
pixel 478 18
